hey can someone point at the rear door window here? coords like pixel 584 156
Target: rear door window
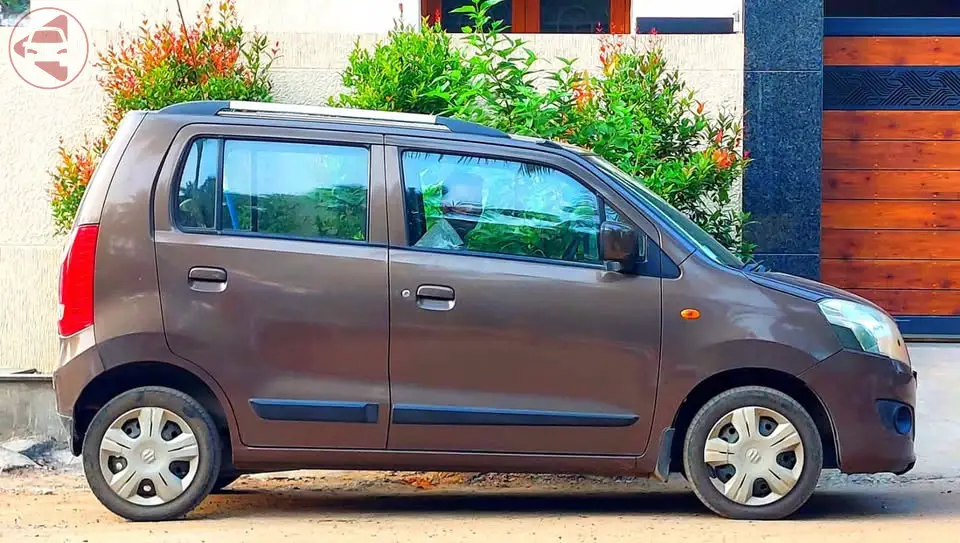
pixel 276 189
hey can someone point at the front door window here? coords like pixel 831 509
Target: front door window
pixel 491 206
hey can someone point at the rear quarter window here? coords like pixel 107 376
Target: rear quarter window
pixel 197 193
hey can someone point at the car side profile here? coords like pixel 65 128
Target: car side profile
pixel 252 287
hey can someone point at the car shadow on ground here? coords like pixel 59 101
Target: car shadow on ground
pixel 854 503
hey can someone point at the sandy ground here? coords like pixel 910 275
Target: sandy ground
pixel 348 507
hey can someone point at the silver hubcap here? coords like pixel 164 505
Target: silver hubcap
pixel 755 455
pixel 149 456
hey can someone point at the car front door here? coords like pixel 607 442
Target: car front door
pixel 507 333
pixel 271 254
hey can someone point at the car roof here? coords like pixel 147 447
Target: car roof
pixel 358 120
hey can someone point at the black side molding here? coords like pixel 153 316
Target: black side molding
pixel 488 416
pixel 314 411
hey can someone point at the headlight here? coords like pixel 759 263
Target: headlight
pixel 861 326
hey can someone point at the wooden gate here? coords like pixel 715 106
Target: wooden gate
pixel 890 228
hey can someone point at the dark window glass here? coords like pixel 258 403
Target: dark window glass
pixel 892 8
pixel 483 205
pixel 454 22
pixel 295 189
pixel 611 214
pixel 574 16
pixel 197 193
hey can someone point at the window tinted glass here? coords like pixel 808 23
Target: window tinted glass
pixel 454 22
pixel 295 189
pixel 611 214
pixel 196 197
pixel 574 16
pixel 496 206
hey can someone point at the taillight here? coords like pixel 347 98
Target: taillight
pixel 76 280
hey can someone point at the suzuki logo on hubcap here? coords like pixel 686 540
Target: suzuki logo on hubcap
pixel 148 456
pixel 753 456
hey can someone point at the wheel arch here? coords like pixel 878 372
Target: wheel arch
pixel 775 379
pixel 127 376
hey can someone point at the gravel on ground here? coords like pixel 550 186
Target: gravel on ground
pixel 347 507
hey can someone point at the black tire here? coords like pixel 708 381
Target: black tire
pixel 223 481
pixel 208 442
pixel 699 473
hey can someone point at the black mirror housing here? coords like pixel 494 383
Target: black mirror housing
pixel 619 246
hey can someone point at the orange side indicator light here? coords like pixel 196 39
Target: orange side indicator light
pixel 690 314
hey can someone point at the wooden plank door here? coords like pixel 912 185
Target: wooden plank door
pixel 890 228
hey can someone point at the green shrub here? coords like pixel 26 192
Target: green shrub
pixel 403 74
pixel 638 113
pixel 643 118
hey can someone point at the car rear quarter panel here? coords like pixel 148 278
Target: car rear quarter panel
pixel 94 196
pixel 128 321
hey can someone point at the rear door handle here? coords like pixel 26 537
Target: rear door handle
pixel 207 279
pixel 435 298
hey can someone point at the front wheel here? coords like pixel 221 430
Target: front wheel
pixel 753 453
pixel 152 454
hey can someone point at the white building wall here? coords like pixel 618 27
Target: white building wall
pixel 315 38
pixel 338 16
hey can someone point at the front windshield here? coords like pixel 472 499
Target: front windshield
pixel 687 228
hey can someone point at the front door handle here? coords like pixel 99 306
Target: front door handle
pixel 207 279
pixel 435 298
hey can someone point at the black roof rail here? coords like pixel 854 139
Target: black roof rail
pixel 222 107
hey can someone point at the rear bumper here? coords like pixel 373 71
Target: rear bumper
pixel 79 364
pixel 863 395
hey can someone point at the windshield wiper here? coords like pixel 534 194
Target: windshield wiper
pixel 754 266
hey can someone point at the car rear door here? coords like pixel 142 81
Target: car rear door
pixel 507 333
pixel 271 255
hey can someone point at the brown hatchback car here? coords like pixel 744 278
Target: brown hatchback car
pixel 253 287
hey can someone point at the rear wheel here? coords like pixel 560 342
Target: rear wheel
pixel 152 454
pixel 753 453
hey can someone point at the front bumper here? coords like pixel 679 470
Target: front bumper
pixel 857 390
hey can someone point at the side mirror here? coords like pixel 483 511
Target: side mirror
pixel 619 246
